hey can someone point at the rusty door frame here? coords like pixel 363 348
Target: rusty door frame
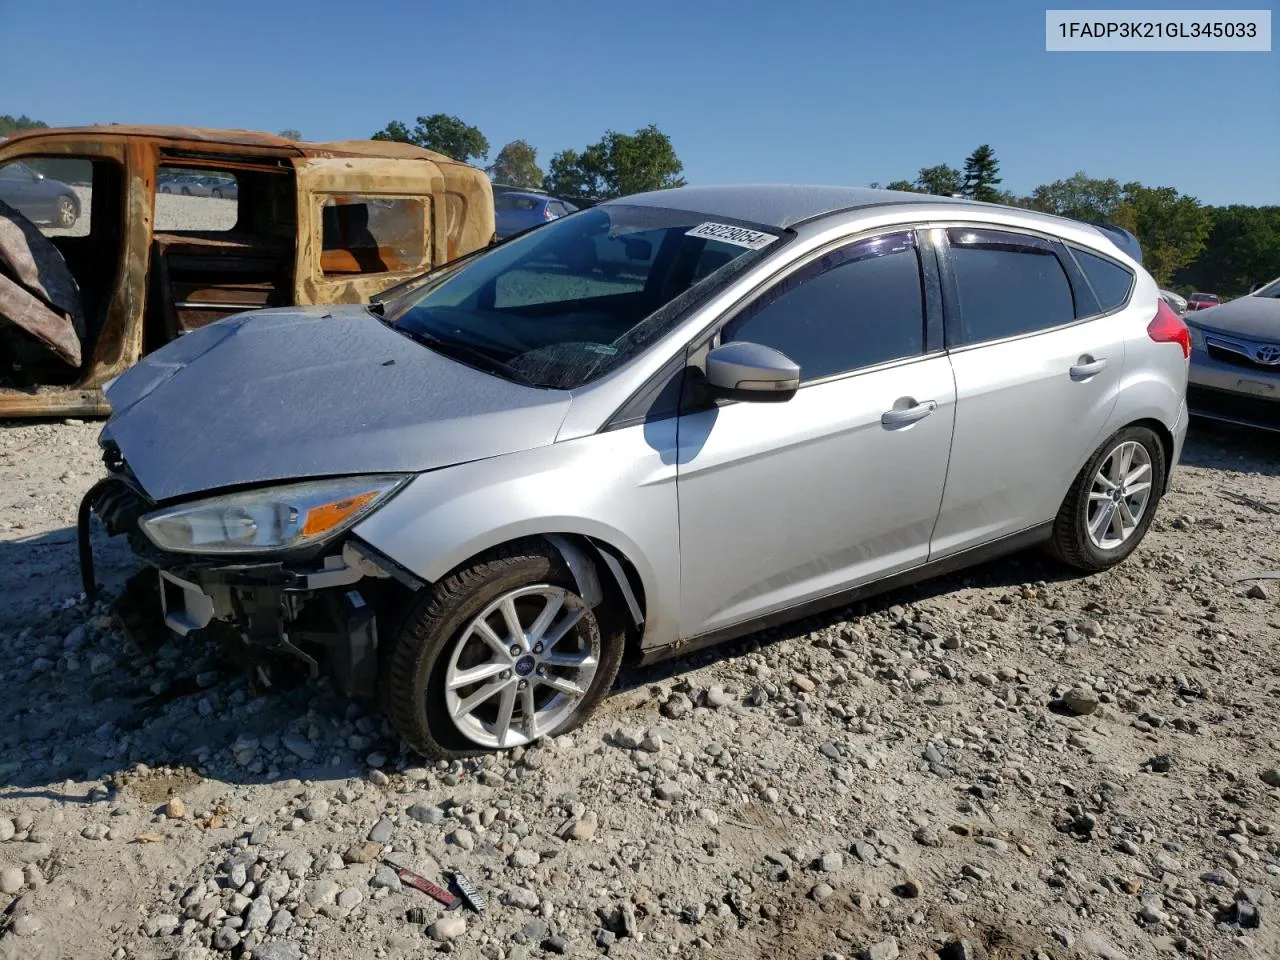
pixel 321 177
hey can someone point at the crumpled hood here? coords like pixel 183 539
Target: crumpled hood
pixel 312 391
pixel 1255 317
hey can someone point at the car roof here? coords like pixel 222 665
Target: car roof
pixel 526 194
pixel 778 205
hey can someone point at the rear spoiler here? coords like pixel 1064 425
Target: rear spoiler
pixel 1121 237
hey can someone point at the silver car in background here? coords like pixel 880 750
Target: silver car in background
pixel 646 427
pixel 1235 360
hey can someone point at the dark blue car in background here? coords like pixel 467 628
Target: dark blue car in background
pixel 37 197
pixel 517 210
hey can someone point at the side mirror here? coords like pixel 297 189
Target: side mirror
pixel 753 372
pixel 37 175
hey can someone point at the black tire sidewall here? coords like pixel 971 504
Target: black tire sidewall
pixel 430 630
pixel 1101 559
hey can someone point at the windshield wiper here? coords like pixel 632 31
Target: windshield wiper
pixel 465 353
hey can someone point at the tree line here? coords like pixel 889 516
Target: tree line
pixel 1186 245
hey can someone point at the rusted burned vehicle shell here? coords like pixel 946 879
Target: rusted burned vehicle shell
pixel 115 240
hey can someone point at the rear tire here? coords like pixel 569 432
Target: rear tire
pixel 442 636
pixel 66 214
pixel 1093 531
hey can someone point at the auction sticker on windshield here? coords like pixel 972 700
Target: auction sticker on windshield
pixel 725 233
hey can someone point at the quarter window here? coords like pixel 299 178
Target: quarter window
pixel 373 234
pixel 1110 281
pixel 857 306
pixel 1009 284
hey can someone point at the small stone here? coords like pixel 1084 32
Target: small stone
pixel 628 738
pixel 1258 592
pixel 669 790
pixel 463 838
pixel 927 837
pixel 27 925
pixel 715 697
pixel 382 831
pixel 521 898
pixel 161 925
pixel 909 889
pixel 378 778
pixel 362 852
pixel 386 878
pixel 803 683
pixel 315 810
pixel 6 829
pixel 447 928
pixel 820 892
pixel 259 835
pixel 280 950
pixel 425 813
pixel 584 828
pixel 1080 700
pixel 226 939
pixel 994 843
pixel 350 898
pixel 676 706
pixel 556 944
pixel 175 809
pixel 864 851
pixel 1271 776
pixel 11 880
pixel 884 950
pixel 322 891
pixel 524 859
pixel 299 746
pixel 95 831
pixel 831 862
pixel 259 914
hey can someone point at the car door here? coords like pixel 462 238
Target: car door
pixel 18 188
pixel 1037 369
pixel 782 503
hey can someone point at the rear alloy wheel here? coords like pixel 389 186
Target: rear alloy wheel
pixel 1112 502
pixel 65 215
pixel 217 193
pixel 498 655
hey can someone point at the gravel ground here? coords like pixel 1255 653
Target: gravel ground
pixel 1011 762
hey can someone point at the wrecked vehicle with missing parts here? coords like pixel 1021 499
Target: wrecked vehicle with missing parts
pixel 85 293
pixel 642 428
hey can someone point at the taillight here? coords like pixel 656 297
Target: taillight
pixel 1168 327
pixel 547 214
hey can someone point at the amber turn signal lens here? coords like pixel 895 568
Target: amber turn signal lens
pixel 329 515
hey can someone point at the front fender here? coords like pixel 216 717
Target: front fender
pixel 617 488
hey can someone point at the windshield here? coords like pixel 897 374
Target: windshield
pixel 569 301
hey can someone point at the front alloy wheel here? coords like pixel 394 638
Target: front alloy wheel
pixel 65 216
pixel 498 654
pixel 520 668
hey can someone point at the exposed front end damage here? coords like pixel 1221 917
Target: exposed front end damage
pixel 323 607
pixel 319 607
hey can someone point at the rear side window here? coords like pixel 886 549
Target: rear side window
pixel 373 234
pixel 1110 281
pixel 508 201
pixel 860 305
pixel 1009 284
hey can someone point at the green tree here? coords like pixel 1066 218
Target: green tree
pixel 1242 248
pixel 517 164
pixel 289 133
pixel 981 175
pixel 941 181
pixel 442 133
pixel 619 164
pixel 394 131
pixel 1079 196
pixel 906 185
pixel 10 124
pixel 1170 226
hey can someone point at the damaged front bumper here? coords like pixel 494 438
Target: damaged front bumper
pixel 316 605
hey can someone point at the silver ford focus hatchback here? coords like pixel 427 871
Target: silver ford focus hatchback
pixel 643 428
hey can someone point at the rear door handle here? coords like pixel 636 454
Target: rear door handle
pixel 1087 367
pixel 900 416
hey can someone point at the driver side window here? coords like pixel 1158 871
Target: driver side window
pixel 855 307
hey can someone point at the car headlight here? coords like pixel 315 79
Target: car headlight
pixel 268 520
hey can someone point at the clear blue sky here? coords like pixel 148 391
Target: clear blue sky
pixel 823 91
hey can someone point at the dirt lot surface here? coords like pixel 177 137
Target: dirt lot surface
pixel 1012 762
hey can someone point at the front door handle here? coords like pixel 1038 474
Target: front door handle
pixel 909 412
pixel 1087 367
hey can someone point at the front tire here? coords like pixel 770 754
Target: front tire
pixel 1110 506
pixel 497 655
